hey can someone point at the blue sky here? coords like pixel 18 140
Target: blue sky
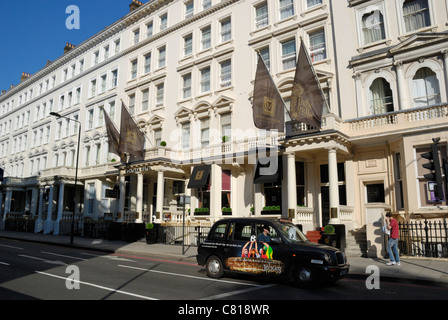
pixel 34 31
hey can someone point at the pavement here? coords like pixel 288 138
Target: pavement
pixel 433 271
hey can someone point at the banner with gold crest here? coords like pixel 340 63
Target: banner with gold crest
pixel 268 106
pixel 113 136
pixel 132 140
pixel 307 99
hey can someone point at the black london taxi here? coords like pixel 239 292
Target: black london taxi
pixel 270 248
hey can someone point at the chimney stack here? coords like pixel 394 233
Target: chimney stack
pixel 24 76
pixel 135 5
pixel 68 47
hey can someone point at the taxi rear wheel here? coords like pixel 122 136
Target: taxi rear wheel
pixel 214 267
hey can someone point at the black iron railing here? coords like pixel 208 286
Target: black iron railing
pixel 424 238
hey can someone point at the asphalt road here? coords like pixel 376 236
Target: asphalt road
pixel 38 271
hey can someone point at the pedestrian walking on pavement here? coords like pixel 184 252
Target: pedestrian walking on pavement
pixel 392 245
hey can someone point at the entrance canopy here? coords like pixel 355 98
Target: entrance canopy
pixel 269 171
pixel 199 177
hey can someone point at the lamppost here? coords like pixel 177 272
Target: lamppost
pixel 76 170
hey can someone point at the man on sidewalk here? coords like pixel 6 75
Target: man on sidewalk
pixel 392 245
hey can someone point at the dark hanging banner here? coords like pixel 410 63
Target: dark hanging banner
pixel 113 136
pixel 307 100
pixel 132 140
pixel 268 106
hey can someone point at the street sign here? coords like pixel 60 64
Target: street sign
pixel 112 194
pixel 183 199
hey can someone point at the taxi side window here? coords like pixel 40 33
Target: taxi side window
pixel 242 231
pixel 219 232
pixel 259 229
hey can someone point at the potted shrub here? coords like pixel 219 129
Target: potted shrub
pixel 163 144
pixel 328 235
pixel 271 210
pixel 201 211
pixel 226 211
pixel 151 233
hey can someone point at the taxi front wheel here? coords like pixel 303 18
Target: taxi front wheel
pixel 214 267
pixel 303 276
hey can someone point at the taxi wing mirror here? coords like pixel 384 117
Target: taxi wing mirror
pixel 276 240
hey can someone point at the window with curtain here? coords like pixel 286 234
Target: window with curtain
pixel 226 189
pixel 186 135
pixel 381 100
pixel 373 27
pixel 157 137
pixel 188 45
pixel 226 126
pixel 312 3
pixel 289 54
pixel 261 15
pixel 205 80
pixel 206 41
pixel 317 46
pixel 186 86
pixel 226 30
pixel 416 14
pixel 205 132
pixel 264 52
pixel 426 90
pixel 226 74
pixel 286 8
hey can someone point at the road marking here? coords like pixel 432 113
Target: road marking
pixel 12 247
pixel 192 277
pixel 31 257
pixel 61 255
pixel 98 286
pixel 4 263
pixel 110 257
pixel 158 260
pixel 228 294
pixel 60 263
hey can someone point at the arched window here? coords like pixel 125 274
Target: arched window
pixel 426 90
pixel 373 27
pixel 381 100
pixel 416 14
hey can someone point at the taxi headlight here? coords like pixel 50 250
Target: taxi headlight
pixel 328 258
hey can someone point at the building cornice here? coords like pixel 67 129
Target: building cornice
pixel 107 33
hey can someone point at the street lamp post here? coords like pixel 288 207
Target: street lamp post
pixel 76 171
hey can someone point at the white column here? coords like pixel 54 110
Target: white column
pixel 358 89
pixel 445 65
pixel 7 210
pixel 139 200
pixel 60 209
pixel 34 195
pixel 400 84
pixel 334 187
pixel 39 223
pixel 48 225
pixel 215 191
pixel 8 199
pixel 292 185
pixel 2 225
pixel 160 196
pixel 122 197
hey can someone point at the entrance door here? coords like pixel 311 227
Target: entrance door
pixel 325 204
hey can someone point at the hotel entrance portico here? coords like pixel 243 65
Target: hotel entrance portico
pixel 319 180
pixel 150 191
